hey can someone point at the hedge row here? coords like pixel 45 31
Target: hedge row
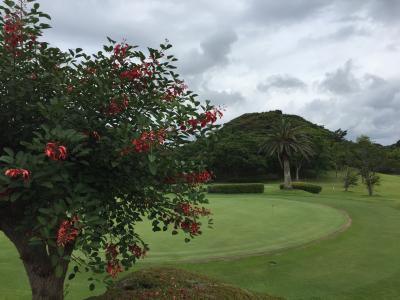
pixel 308 187
pixel 236 188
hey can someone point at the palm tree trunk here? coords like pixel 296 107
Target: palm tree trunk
pixel 287 183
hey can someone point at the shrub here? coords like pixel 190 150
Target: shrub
pixel 236 188
pixel 308 187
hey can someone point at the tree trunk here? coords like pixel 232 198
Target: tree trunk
pixel 287 183
pixel 45 285
pixel 298 173
pixel 370 189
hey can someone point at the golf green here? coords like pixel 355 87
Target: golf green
pixel 246 225
pixel 243 225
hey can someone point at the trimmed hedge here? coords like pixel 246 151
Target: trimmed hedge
pixel 236 188
pixel 304 186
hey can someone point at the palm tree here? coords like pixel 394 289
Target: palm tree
pixel 285 140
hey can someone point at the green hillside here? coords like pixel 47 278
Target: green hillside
pixel 233 152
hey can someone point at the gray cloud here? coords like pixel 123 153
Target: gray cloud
pixel 341 34
pixel 372 109
pixel 285 83
pixel 224 98
pixel 226 47
pixel 281 12
pixel 341 81
pixel 213 52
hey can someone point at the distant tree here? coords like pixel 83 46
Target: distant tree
pixel 350 178
pixel 368 158
pixel 299 160
pixel 285 140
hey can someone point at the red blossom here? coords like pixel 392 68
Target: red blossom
pixel 12 29
pixel 191 227
pixel 113 268
pixel 196 178
pixel 194 228
pixel 67 232
pixel 14 173
pixel 54 151
pixel 70 89
pixel 186 208
pixel 130 74
pixel 175 91
pixel 140 71
pixel 137 251
pixel 209 117
pixel 111 250
pixel 120 50
pixel 114 108
pixel 148 139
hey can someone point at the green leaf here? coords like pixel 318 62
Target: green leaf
pixel 7 159
pixel 153 168
pixel 9 151
pixel 152 157
pixel 42 220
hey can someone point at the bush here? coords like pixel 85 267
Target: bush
pixel 308 187
pixel 169 283
pixel 236 188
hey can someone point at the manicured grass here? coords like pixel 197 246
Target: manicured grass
pixel 360 263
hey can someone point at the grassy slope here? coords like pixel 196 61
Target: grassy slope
pixel 361 263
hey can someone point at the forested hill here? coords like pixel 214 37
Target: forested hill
pixel 260 123
pixel 233 152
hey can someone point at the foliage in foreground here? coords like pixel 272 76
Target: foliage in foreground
pixel 168 283
pixel 236 188
pixel 88 148
pixel 304 186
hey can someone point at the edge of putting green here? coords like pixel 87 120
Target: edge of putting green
pixel 259 252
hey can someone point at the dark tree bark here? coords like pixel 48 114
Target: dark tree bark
pixel 45 285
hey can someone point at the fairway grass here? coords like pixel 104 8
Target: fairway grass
pixel 362 262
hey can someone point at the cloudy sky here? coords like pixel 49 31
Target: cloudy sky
pixel 334 62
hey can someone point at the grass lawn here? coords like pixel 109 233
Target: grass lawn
pixel 360 263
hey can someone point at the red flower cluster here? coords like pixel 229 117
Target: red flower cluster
pixel 191 227
pixel 209 117
pixel 12 32
pixel 188 210
pixel 114 108
pixel 137 251
pixel 67 232
pixel 175 91
pixel 113 266
pixel 142 70
pixel 93 134
pixel 120 50
pixel 196 178
pixel 13 173
pixel 55 152
pixel 147 139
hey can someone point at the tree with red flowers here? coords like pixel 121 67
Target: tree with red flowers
pixel 88 149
